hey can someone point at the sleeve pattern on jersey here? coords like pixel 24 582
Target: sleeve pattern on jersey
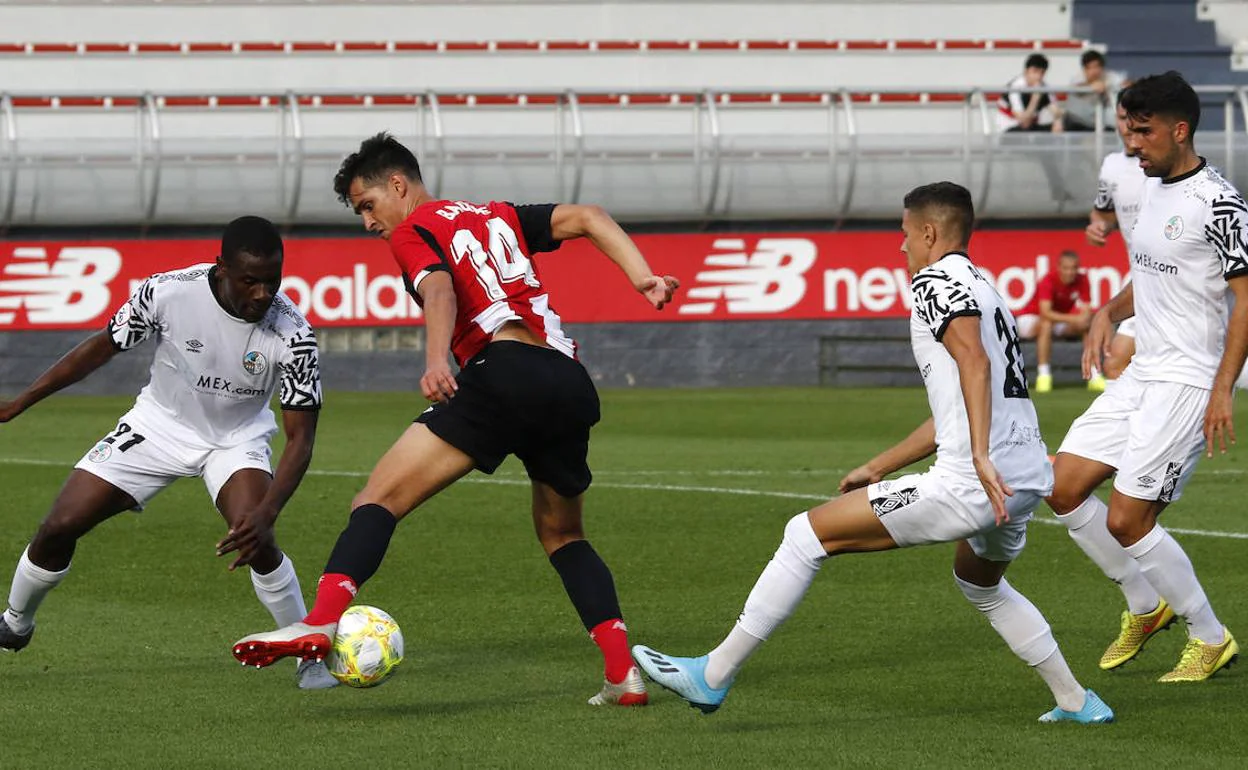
pixel 136 320
pixel 1225 232
pixel 1104 196
pixel 938 299
pixel 301 377
pixel 536 228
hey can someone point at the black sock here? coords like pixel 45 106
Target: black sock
pixel 587 581
pixel 362 545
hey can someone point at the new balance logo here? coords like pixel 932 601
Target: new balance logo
pixel 771 279
pixel 70 287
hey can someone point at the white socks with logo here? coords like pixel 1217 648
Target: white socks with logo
pixel 1167 568
pixel 1089 528
pixel 279 592
pixel 30 584
pixel 776 595
pixel 1027 633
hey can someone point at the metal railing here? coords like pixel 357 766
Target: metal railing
pixel 829 159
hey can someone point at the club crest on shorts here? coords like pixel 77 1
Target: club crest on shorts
pixel 100 453
pixel 1174 228
pixel 254 362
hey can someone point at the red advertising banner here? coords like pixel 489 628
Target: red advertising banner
pixel 354 282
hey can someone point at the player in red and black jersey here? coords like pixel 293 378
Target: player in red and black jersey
pixel 520 390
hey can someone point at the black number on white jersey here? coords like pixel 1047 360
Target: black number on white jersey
pixel 126 432
pixel 1015 377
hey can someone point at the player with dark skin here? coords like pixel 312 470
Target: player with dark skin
pixel 244 285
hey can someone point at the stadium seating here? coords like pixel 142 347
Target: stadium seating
pixel 600 64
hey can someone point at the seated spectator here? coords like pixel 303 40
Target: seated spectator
pixel 1036 111
pixel 1080 109
pixel 1060 307
pixel 1022 118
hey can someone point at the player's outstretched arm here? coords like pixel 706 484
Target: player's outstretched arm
pixel 1101 329
pixel 962 340
pixel 569 221
pixel 1219 425
pixel 86 357
pixel 437 296
pixel 255 527
pixel 919 444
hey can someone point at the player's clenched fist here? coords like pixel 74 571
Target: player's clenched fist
pixel 658 290
pixel 438 384
pixel 1096 233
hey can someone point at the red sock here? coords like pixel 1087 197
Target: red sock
pixel 334 593
pixel 611 636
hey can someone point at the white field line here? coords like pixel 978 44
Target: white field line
pixel 503 480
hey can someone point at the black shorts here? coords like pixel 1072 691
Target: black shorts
pixel 533 402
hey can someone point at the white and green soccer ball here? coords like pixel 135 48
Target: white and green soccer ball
pixel 367 647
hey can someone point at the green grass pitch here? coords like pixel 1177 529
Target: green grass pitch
pixel 884 665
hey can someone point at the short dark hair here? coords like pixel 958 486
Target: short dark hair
pixel 1037 60
pixel 379 156
pixel 946 200
pixel 1092 56
pixel 256 236
pixel 1166 94
pixel 1068 254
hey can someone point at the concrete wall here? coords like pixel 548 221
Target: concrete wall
pixel 707 354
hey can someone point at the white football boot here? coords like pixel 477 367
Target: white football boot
pixel 630 692
pixel 314 675
pixel 298 640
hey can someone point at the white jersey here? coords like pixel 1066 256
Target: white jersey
pixel 943 291
pixel 1119 189
pixel 1190 237
pixel 214 374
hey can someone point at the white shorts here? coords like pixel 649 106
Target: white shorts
pixel 140 460
pixel 1127 328
pixel 935 507
pixel 1151 432
pixel 1029 326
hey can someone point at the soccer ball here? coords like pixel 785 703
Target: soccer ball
pixel 367 647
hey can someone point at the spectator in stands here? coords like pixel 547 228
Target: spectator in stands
pixel 1018 110
pixel 1022 116
pixel 1061 307
pixel 1080 109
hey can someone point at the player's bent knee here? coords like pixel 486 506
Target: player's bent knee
pixel 1126 526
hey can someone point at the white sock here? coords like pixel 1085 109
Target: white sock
pixel 30 584
pixel 1043 370
pixel 1089 528
pixel 279 592
pixel 1027 633
pixel 1168 569
pixel 775 596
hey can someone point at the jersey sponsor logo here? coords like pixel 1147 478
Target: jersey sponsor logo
pixel 222 385
pixel 1146 263
pixel 1174 228
pixel 770 279
pixel 70 286
pixel 254 362
pixel 194 346
pixel 100 453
